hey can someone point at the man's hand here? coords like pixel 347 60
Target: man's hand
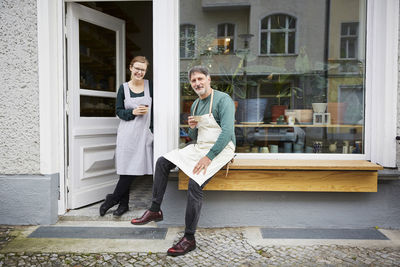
pixel 192 122
pixel 202 165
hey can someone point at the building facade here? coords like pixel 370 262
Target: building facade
pixel 59 129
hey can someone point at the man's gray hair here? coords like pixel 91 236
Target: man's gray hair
pixel 198 68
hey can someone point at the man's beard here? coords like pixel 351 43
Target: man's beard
pixel 201 92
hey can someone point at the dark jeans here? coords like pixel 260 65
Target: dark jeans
pixel 121 191
pixel 194 194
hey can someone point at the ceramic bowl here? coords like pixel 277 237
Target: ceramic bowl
pixel 319 107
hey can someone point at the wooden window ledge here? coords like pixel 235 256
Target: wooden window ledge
pixel 294 175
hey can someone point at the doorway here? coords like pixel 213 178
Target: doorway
pixel 102 38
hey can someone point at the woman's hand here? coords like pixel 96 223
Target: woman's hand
pixel 140 110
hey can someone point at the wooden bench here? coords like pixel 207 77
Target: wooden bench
pixel 294 175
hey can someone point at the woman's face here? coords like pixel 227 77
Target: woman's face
pixel 138 70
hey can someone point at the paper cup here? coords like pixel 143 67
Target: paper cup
pixel 197 118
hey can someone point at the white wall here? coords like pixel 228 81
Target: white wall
pixel 19 93
pixel 398 106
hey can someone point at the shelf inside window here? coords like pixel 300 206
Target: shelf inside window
pixel 292 126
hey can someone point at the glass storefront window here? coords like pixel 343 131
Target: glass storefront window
pixel 294 68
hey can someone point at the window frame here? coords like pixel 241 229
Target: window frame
pixel 186 40
pixel 287 30
pixel 225 24
pixel 381 93
pixel 347 37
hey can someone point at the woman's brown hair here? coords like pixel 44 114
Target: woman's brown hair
pixel 140 59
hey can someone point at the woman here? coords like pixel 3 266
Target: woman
pixel 134 152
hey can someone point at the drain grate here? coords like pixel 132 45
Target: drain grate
pixel 298 233
pixel 98 232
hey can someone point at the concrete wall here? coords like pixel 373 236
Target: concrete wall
pixel 19 94
pixel 26 196
pixel 290 209
pixel 398 104
pixel 29 199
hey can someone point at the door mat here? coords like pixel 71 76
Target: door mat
pixel 298 233
pixel 98 232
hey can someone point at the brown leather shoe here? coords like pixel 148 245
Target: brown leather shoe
pixel 147 217
pixel 182 247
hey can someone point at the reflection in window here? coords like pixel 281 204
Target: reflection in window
pixel 187 41
pixel 278 34
pixel 348 40
pixel 309 102
pixel 225 38
pixel 97 57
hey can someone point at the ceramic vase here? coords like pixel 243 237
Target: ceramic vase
pixel 317 146
pixel 277 111
pixel 319 107
pixel 337 111
pixel 332 147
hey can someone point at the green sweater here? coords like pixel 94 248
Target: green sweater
pixel 126 114
pixel 223 110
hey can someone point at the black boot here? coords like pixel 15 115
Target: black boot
pixel 107 204
pixel 121 210
pixel 123 204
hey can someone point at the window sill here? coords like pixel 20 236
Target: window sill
pixel 294 175
pixel 278 55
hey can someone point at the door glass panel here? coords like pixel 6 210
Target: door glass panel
pixel 95 106
pixel 97 57
pixel 295 90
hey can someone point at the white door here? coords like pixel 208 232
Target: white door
pixel 96 66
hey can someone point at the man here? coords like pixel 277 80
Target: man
pixel 212 126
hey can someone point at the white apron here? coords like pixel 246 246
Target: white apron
pixel 134 152
pixel 187 157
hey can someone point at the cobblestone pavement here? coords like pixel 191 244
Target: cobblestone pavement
pixel 139 200
pixel 141 192
pixel 5 235
pixel 216 247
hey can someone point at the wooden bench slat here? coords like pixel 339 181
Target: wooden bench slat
pixel 294 175
pixel 305 181
pixel 271 164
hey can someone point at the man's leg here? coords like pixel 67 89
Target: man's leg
pixel 163 167
pixel 193 207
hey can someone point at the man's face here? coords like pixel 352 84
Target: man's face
pixel 200 83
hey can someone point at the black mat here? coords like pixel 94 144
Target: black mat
pixel 98 232
pixel 298 233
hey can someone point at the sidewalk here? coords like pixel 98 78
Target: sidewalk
pixel 83 238
pixel 215 247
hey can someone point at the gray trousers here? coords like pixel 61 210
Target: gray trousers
pixel 194 193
